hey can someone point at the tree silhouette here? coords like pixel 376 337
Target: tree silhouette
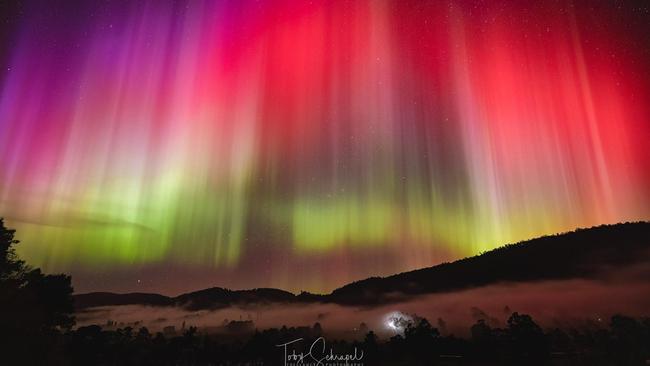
pixel 34 307
pixel 421 340
pixel 484 340
pixel 527 338
pixel 11 268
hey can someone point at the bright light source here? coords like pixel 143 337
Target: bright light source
pixel 397 321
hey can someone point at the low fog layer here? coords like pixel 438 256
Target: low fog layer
pixel 551 303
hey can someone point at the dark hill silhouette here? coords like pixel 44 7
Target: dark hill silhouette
pixel 211 298
pixel 219 297
pixel 584 253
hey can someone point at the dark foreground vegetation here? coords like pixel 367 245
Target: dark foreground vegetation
pixel 36 323
pixel 625 341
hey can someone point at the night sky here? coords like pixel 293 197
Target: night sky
pixel 174 145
